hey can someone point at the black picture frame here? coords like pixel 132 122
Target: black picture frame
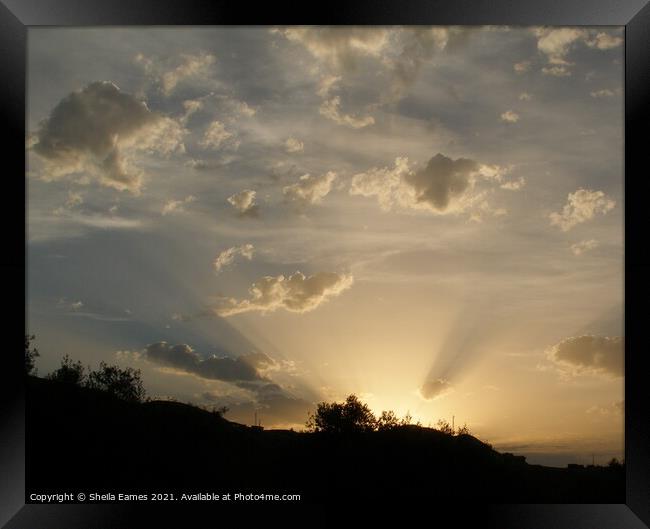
pixel 16 16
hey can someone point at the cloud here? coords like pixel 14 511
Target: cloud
pixel 327 84
pixel 399 54
pixel 339 48
pixel 296 293
pixel 104 222
pixel 556 71
pixel 188 66
pixel 589 354
pixel 191 106
pixel 244 202
pixel 95 133
pixel 227 257
pixel 514 185
pixel 248 372
pixel 242 369
pixel 216 135
pixel 436 388
pixel 603 93
pixel 309 189
pixel 582 205
pixel 557 43
pixel 522 67
pixel 73 200
pixel 615 408
pixel 604 41
pixel 73 306
pixel 584 246
pixel 417 46
pixel 444 186
pixel 443 181
pixel 331 109
pixel 386 183
pixel 293 145
pixel 176 206
pixel 510 116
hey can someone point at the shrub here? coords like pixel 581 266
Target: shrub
pixel 69 373
pixel 445 427
pixel 30 355
pixel 124 383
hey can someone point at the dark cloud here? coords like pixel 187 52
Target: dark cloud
pixel 244 368
pixel 95 132
pixel 444 186
pixel 442 180
pixel 432 389
pixel 596 354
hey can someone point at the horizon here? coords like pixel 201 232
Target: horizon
pixel 268 218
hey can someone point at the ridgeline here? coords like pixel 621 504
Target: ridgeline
pixel 80 438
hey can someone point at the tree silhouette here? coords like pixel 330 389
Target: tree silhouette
pixel 388 420
pixel 615 464
pixel 30 355
pixel 69 373
pixel 124 383
pixel 348 417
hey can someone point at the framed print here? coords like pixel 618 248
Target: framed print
pixel 386 254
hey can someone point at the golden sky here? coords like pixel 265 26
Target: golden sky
pixel 265 218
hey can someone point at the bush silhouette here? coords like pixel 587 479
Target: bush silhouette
pixel 445 427
pixel 348 417
pixel 69 373
pixel 30 354
pixel 388 421
pixel 124 383
pixel 463 430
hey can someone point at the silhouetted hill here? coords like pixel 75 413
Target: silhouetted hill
pixel 83 439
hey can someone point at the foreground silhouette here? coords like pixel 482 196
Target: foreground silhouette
pixel 85 437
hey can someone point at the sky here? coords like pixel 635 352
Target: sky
pixel 265 218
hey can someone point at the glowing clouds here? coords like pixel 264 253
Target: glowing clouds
pixel 385 183
pixel 435 388
pixel 216 135
pixel 582 205
pixel 309 189
pixel 331 109
pixel 296 293
pixel 292 145
pixel 444 186
pixel 590 354
pixel 167 79
pixel 227 257
pixel 96 132
pixel 176 206
pixel 582 247
pixel 510 116
pixel 339 47
pixel 244 203
pixel 556 43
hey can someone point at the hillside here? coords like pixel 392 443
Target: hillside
pixel 82 439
